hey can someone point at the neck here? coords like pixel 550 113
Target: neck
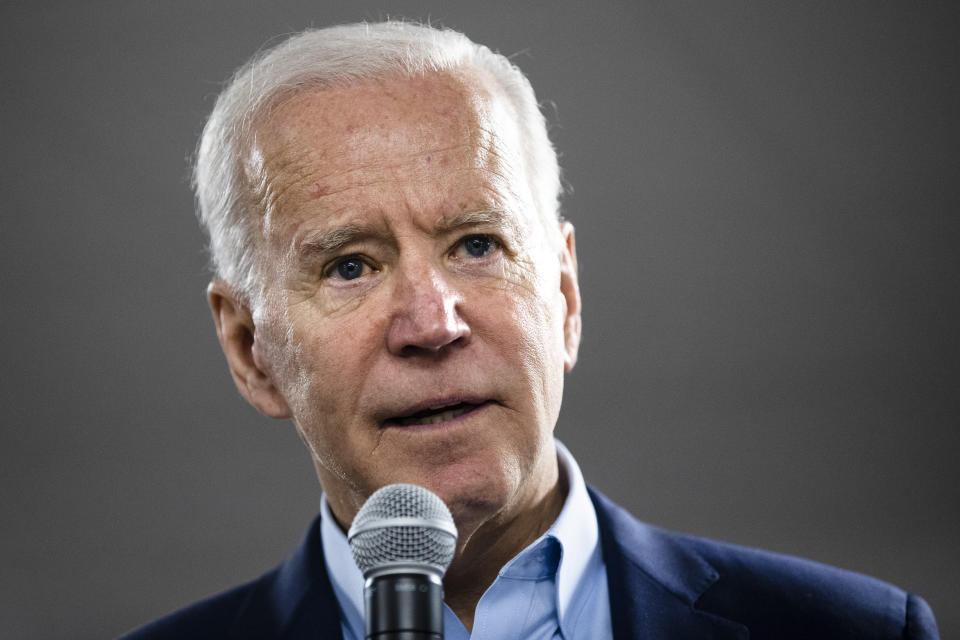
pixel 493 543
pixel 487 540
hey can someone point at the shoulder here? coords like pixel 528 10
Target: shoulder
pixel 791 597
pixel 771 594
pixel 211 618
pixel 294 600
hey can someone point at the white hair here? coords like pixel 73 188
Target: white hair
pixel 336 57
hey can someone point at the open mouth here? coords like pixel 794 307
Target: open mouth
pixel 433 416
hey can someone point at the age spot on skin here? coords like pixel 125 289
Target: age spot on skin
pixel 319 189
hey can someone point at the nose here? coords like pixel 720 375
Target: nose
pixel 426 317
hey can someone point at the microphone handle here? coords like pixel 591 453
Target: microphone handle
pixel 404 606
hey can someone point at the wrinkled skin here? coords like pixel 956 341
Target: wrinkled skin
pixel 406 267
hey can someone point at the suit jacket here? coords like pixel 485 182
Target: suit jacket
pixel 662 586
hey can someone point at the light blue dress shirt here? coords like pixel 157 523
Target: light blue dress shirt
pixel 555 588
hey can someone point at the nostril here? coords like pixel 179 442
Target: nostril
pixel 412 350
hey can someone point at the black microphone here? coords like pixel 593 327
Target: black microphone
pixel 403 539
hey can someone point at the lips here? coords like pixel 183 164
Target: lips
pixel 435 412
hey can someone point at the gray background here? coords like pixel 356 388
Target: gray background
pixel 766 200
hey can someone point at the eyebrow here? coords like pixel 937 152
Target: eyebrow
pixel 483 218
pixel 333 240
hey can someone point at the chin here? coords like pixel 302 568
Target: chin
pixel 473 492
pixel 483 503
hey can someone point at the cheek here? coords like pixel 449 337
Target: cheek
pixel 543 352
pixel 532 308
pixel 330 359
pixel 539 309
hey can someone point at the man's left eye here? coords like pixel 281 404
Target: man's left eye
pixel 478 246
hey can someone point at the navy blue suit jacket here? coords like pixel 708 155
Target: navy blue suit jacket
pixel 662 586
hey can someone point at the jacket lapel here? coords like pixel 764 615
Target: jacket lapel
pixel 297 603
pixel 655 580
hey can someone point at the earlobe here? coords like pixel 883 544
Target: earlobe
pixel 236 332
pixel 570 288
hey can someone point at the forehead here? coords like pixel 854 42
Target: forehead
pixel 453 130
pixel 393 114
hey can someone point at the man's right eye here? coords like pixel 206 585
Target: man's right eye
pixel 348 268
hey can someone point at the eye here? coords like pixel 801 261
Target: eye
pixel 349 268
pixel 478 245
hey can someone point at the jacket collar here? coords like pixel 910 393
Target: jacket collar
pixel 655 580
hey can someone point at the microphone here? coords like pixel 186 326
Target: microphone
pixel 403 539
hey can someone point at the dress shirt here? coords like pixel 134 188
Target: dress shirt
pixel 555 588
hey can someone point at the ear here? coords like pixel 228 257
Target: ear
pixel 238 339
pixel 570 289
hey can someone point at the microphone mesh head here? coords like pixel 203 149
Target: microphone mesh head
pixel 403 524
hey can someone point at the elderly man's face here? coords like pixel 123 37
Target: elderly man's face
pixel 417 315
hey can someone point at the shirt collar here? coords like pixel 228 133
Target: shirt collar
pixel 575 529
pixel 346 578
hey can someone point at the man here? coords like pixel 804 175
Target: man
pixel 393 276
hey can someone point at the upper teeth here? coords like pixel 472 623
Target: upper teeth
pixel 443 416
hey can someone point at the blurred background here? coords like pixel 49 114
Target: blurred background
pixel 766 200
